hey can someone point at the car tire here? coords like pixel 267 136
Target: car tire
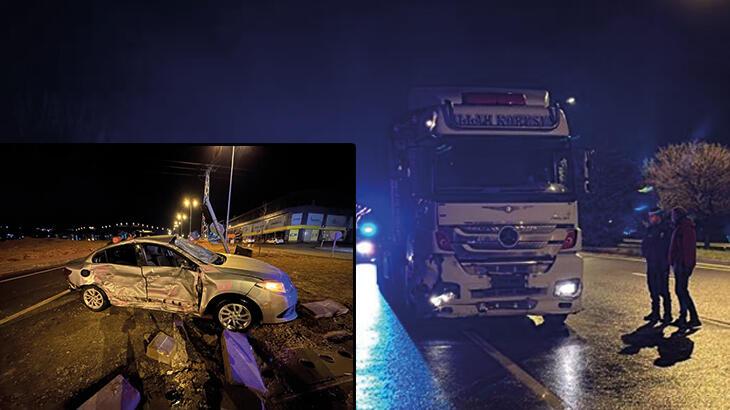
pixel 94 298
pixel 236 315
pixel 555 320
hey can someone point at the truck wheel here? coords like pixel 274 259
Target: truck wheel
pixel 94 298
pixel 555 320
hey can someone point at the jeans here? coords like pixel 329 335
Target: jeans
pixel 658 281
pixel 681 276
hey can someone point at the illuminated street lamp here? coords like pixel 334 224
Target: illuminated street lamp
pixel 570 101
pixel 190 204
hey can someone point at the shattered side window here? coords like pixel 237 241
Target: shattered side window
pixel 122 255
pixel 196 251
pixel 157 255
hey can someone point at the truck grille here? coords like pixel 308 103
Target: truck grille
pixel 482 249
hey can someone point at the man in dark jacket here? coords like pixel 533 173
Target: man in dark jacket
pixel 655 248
pixel 682 257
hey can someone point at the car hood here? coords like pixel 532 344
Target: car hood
pixel 243 265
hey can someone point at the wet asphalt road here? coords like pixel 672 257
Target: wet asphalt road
pixel 605 358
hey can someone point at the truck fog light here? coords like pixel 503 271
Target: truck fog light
pixel 439 300
pixel 567 288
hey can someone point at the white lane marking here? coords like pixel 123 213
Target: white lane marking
pixel 31 274
pixel 542 392
pixel 36 306
pixel 724 268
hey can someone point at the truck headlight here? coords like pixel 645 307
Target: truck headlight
pixel 567 288
pixel 365 248
pixel 439 300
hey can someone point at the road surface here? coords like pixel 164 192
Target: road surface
pixel 602 359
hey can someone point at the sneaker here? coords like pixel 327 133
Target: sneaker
pixel 694 323
pixel 652 317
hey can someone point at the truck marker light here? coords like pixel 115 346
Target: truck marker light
pixel 570 239
pixel 492 98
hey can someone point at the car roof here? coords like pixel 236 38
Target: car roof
pixel 162 239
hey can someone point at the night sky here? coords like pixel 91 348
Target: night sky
pixel 644 73
pixel 91 184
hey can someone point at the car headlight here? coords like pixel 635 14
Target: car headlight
pixel 273 286
pixel 567 288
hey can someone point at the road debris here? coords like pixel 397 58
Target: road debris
pixel 336 336
pixel 162 348
pixel 240 363
pixel 117 394
pixel 314 367
pixel 324 308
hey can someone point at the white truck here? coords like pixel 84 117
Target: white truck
pixel 485 215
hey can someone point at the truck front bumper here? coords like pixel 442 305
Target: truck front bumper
pixel 544 302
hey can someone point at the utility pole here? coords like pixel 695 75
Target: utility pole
pixel 230 186
pixel 206 200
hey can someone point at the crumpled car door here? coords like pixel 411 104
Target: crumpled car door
pixel 121 278
pixel 171 288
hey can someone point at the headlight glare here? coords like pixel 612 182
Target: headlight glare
pixel 567 288
pixel 273 286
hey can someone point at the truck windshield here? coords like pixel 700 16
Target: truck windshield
pixel 507 165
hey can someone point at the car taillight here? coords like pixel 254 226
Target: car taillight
pixel 570 239
pixel 443 242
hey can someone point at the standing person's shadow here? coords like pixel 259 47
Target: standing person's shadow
pixel 675 348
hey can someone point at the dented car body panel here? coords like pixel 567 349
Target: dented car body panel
pixel 160 273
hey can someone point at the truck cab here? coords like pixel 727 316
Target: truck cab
pixel 484 201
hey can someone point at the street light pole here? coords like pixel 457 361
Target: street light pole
pixel 230 186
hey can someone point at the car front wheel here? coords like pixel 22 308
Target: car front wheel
pixel 94 298
pixel 235 315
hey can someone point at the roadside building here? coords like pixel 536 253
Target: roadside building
pixel 295 224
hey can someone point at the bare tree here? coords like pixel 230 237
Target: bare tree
pixel 695 176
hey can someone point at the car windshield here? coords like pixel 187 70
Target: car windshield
pixel 503 165
pixel 199 252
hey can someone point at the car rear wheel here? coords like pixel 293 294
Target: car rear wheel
pixel 94 298
pixel 235 315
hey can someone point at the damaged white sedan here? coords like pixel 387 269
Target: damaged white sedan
pixel 173 274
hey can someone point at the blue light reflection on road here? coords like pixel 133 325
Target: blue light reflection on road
pixel 391 372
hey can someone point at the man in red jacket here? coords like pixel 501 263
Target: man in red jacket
pixel 682 258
